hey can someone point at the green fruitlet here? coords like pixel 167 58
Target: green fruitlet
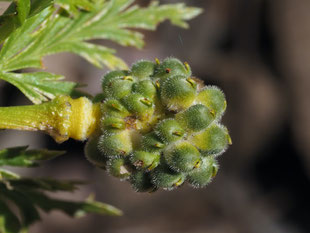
pixel 196 117
pixel 204 174
pixel 177 92
pixel 141 182
pixel 138 104
pixel 214 99
pixel 145 160
pixel 92 152
pixel 166 178
pixel 152 143
pixel 112 107
pixel 143 69
pixel 113 144
pixel 182 157
pixel 212 140
pixel 160 127
pixel 118 167
pixel 169 130
pixel 145 88
pixel 172 67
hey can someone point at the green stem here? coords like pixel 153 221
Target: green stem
pixel 25 117
pixel 61 118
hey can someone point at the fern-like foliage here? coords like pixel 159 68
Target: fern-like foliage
pixel 28 195
pixel 33 29
pixel 54 31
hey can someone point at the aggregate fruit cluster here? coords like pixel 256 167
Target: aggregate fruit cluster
pixel 160 126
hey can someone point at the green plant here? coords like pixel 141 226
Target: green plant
pixel 154 124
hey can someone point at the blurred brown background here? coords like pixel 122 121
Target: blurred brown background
pixel 258 52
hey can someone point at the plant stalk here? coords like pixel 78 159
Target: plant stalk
pixel 61 118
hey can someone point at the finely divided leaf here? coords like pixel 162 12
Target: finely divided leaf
pixel 13 17
pixel 39 184
pixel 4 174
pixel 19 43
pixel 20 156
pixel 45 184
pixel 28 211
pixel 27 196
pixel 61 33
pixel 48 33
pixel 9 223
pixel 20 10
pixel 39 86
pixel 38 5
pixel 71 208
pixel 73 6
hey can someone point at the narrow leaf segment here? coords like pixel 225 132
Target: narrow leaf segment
pixel 20 156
